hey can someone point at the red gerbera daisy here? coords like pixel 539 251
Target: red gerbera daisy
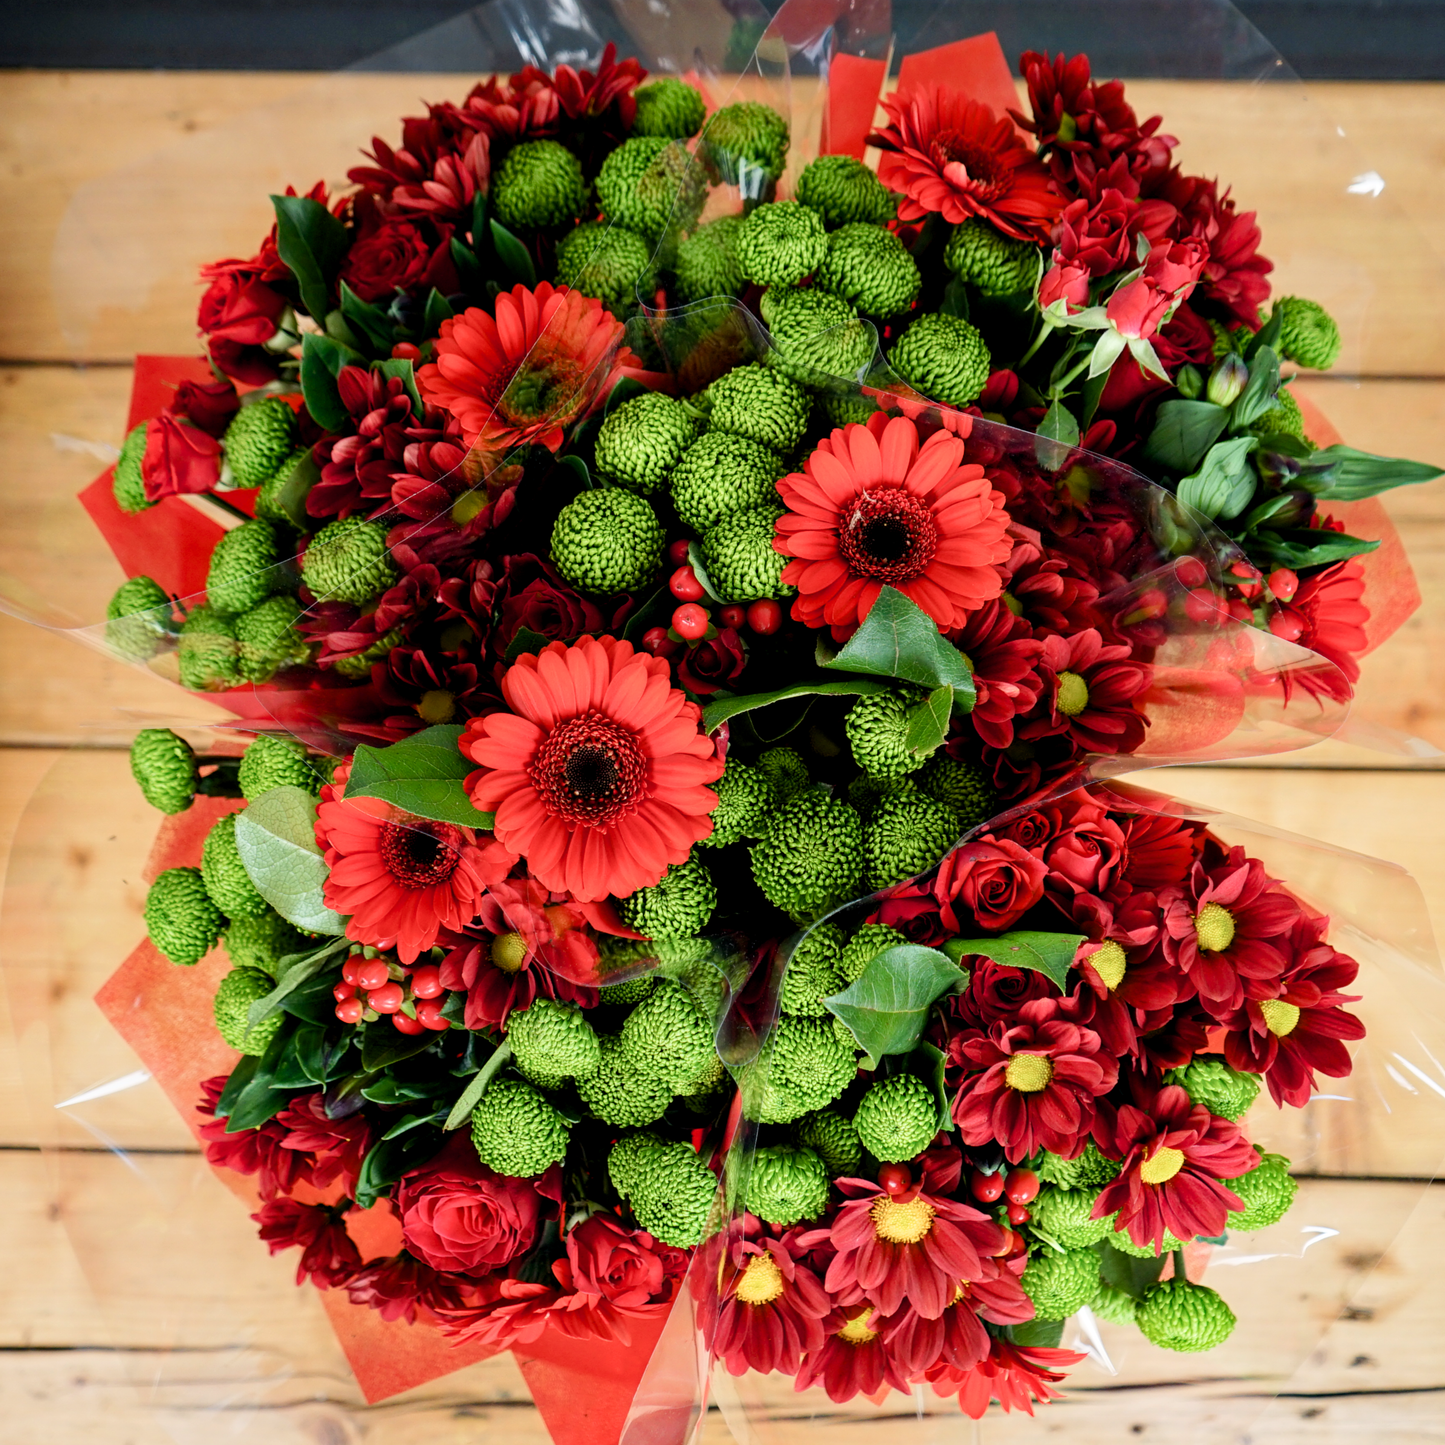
pixel 547 359
pixel 1014 1375
pixel 1092 696
pixel 598 774
pixel 402 879
pixel 1033 1085
pixel 855 1359
pixel 871 508
pixel 954 156
pixel 1224 925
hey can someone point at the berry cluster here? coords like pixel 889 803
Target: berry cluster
pixel 374 985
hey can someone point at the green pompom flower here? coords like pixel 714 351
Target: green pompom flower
pixel 964 787
pixel 138 618
pixel 262 942
pixel 1121 1241
pixel 643 440
pixel 871 269
pixel 652 186
pixel 707 261
pixel 164 766
pixel 944 358
pixel 1284 417
pixel 1307 333
pixel 907 834
pixel 747 146
pixel 1267 1192
pixel 780 243
pixel 786 772
pixel 670 1189
pixel 843 191
pixel 811 855
pixel 813 972
pixel 667 1038
pixel 268 499
pixel 608 262
pixel 269 639
pixel 1114 1305
pixel 633 990
pixel 271 763
pixel 539 187
pixel 786 1185
pixel 619 1093
pixel 516 1131
pixel 845 408
pixel 877 731
pixel 238 991
pixel 739 556
pixel 607 541
pixel 804 1068
pixel 626 1157
pixel 1061 1283
pixel 127 483
pixel 348 561
pixel 817 337
pixel 225 875
pixel 1178 1315
pixel 865 946
pixel 720 474
pixel 244 569
pixel 207 651
pixel 897 1118
pixel 1219 1088
pixel 668 107
pixel 743 799
pixel 997 265
pixel 760 403
pixel 677 907
pixel 1091 1170
pixel 1064 1215
pixel 834 1139
pixel 180 918
pixel 555 1039
pixel 260 438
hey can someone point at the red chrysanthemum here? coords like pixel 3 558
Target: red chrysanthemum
pixel 917 1245
pixel 547 359
pixel 1033 1085
pixel 598 775
pixel 328 1256
pixel 1175 1153
pixel 400 1287
pixel 953 156
pixel 335 1147
pixel 1224 925
pixel 1014 1375
pixel 855 1359
pixel 1093 697
pixel 871 508
pixel 957 1337
pixel 402 879
pixel 1304 1026
pixel 1329 614
pixel 260 1151
pixel 1002 651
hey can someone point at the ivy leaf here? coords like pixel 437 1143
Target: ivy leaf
pixel 899 639
pixel 422 775
pixel 1225 483
pixel 721 708
pixel 886 1008
pixel 471 1095
pixel 292 971
pixel 312 242
pixel 1058 435
pixel 1051 954
pixel 928 722
pixel 276 838
pixel 1183 432
pixel 515 258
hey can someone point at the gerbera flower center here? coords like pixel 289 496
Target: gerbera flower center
pixel 1110 963
pixel 890 535
pixel 590 771
pixel 1073 695
pixel 436 706
pixel 540 389
pixel 509 952
pixel 985 178
pixel 856 1331
pixel 1280 1017
pixel 420 855
pixel 1214 927
pixel 1028 1073
pixel 901 1223
pixel 1162 1165
pixel 761 1282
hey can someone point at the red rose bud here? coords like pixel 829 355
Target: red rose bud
pixel 999 392
pixel 690 621
pixel 712 663
pixel 1283 584
pixel 1227 380
pixel 625 1266
pixel 531 594
pixel 1138 310
pixel 683 584
pixel 765 617
pixel 239 315
pixel 209 406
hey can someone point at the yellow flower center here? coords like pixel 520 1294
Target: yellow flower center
pixel 467 506
pixel 1109 963
pixel 436 706
pixel 1280 1017
pixel 1028 1073
pixel 509 952
pixel 1214 927
pixel 901 1223
pixel 761 1282
pixel 1073 695
pixel 1162 1165
pixel 856 1331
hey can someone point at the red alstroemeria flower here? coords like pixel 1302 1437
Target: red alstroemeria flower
pixel 953 156
pixel 598 775
pixel 549 358
pixel 1224 925
pixel 1033 1085
pixel 1014 1375
pixel 403 879
pixel 1092 699
pixel 855 1359
pixel 872 508
pixel 1303 1027
pixel 916 1245
pixel 1175 1153
pixel 328 1256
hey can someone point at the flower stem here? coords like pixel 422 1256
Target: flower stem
pixel 1181 1270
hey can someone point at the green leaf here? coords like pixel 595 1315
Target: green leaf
pixel 578 467
pixel 469 269
pixel 322 358
pixel 389 1159
pixel 312 242
pixel 262 1098
pixel 422 775
pixel 525 641
pixel 928 1063
pixel 887 1007
pixel 1225 483
pixel 1129 1272
pixel 928 722
pixel 438 309
pixel 899 639
pixel 654 612
pixel 384 1045
pixel 408 1122
pixel 1051 954
pixel 276 837
pixel 699 570
pixel 403 367
pixel 479 225
pixel 1354 474
pixel 240 1076
pixel 1259 391
pixel 515 258
pixel 1267 335
pixel 1299 547
pixel 391 1091
pixel 291 972
pixel 462 1109
pixel 1183 432
pixel 721 708
pixel 1058 435
pixel 1047 1333
pixel 955 298
pixel 291 495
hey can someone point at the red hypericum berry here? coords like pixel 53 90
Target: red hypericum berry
pixel 1191 572
pixel 343 991
pixel 426 982
pixel 765 617
pixel 1241 611
pixel 1203 605
pixel 1006 1247
pixel 1284 584
pixel 386 999
pixel 406 351
pixel 734 616
pixel 1021 1186
pixel 1018 1213
pixel 372 974
pixel 407 1024
pixel 690 621
pixel 894 1178
pixel 677 551
pixel 349 1010
pixel 683 585
pixel 986 1187
pixel 348 969
pixel 1287 625
pixel 429 1015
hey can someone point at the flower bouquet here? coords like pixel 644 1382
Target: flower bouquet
pixel 686 598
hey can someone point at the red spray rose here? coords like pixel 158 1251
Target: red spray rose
pixel 237 315
pixel 178 457
pixel 208 405
pixel 1137 310
pixel 712 663
pixel 993 880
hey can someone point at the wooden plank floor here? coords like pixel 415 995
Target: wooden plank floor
pixel 137 1305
